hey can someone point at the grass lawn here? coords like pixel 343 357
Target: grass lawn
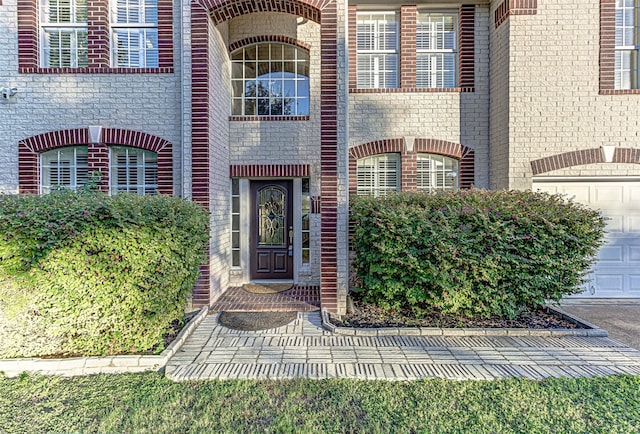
pixel 151 403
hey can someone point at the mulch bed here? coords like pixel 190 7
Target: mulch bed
pixel 367 315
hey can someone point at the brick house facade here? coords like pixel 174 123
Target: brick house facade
pixel 311 101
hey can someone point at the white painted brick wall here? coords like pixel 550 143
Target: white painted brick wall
pixel 46 102
pixel 553 92
pixel 219 183
pixel 456 117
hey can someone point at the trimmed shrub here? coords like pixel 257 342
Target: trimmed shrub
pixel 474 252
pixel 88 274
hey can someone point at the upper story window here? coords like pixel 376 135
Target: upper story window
pixel 627 44
pixel 133 170
pixel 134 33
pixel 63 33
pixel 270 79
pixel 63 167
pixel 437 172
pixel 378 174
pixel 436 50
pixel 377 50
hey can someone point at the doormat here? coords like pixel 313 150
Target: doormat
pixel 253 321
pixel 266 288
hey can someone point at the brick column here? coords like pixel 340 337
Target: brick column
pixel 98 160
pixel 353 41
pixel 408 17
pixel 98 33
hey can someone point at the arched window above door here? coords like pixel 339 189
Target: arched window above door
pixel 270 79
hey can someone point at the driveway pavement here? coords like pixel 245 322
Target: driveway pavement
pixel 621 318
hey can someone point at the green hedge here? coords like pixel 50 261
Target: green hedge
pixel 475 252
pixel 88 274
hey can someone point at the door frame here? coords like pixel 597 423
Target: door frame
pixel 288 249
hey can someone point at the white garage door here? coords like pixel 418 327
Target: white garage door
pixel 617 272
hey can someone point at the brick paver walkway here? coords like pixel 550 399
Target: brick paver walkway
pixel 298 298
pixel 304 349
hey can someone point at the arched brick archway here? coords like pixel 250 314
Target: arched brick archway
pixel 205 14
pixel 409 155
pixel 582 157
pixel 30 148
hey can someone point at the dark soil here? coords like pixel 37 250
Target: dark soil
pixel 176 327
pixel 367 315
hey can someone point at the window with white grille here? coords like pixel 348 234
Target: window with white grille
pixel 377 50
pixel 133 170
pixel 270 79
pixel 436 50
pixel 63 168
pixel 235 222
pixel 437 172
pixel 63 33
pixel 378 174
pixel 627 44
pixel 134 33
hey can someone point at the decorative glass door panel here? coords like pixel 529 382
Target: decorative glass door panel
pixel 271 240
pixel 272 209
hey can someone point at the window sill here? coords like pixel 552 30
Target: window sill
pixel 98 70
pixel 267 118
pixel 620 92
pixel 414 90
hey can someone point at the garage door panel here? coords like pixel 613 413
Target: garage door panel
pixel 617 271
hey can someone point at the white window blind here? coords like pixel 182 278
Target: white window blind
pixel 627 44
pixel 63 167
pixel 378 174
pixel 134 33
pixel 437 172
pixel 63 33
pixel 436 50
pixel 133 170
pixel 377 50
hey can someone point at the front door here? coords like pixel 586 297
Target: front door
pixel 271 230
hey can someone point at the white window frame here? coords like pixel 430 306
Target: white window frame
pixel 378 169
pixel 78 170
pixel 433 54
pixel 140 26
pixel 241 58
pixel 627 44
pixel 77 30
pixel 369 61
pixel 236 224
pixel 433 174
pixel 140 167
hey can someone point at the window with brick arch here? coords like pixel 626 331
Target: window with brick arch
pixel 63 33
pixel 377 50
pixel 378 175
pixel 627 44
pixel 270 79
pixel 437 172
pixel 436 50
pixel 133 170
pixel 63 168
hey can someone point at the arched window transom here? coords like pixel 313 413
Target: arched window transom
pixel 437 172
pixel 378 174
pixel 270 79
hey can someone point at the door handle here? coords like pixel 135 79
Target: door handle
pixel 290 241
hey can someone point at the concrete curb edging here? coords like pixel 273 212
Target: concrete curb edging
pixel 75 366
pixel 589 330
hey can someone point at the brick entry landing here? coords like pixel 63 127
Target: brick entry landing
pixel 298 298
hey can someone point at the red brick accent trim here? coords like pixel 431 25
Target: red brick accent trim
pixel 607 45
pixel 464 154
pixel 352 38
pixel 514 7
pixel 30 148
pixel 98 41
pixel 415 90
pixel 466 46
pixel 237 118
pixel 408 17
pixel 581 157
pixel 223 10
pixel 268 38
pixel 269 171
